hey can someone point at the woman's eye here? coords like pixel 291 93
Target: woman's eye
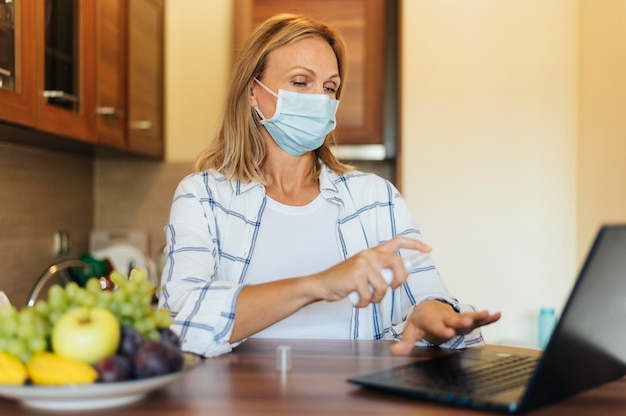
pixel 330 90
pixel 299 83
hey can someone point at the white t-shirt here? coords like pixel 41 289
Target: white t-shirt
pixel 297 241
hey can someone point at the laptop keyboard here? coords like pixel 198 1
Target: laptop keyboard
pixel 484 378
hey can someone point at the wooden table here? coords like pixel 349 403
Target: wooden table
pixel 246 382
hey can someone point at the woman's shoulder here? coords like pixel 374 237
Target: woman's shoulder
pixel 203 179
pixel 213 182
pixel 361 179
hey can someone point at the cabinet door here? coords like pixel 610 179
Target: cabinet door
pixel 145 77
pixel 362 24
pixel 65 74
pixel 17 62
pixel 111 73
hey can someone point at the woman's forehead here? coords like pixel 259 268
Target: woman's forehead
pixel 313 53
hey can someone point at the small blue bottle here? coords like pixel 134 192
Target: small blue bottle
pixel 546 324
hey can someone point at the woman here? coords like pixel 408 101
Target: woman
pixel 273 233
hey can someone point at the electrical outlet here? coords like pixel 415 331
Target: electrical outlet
pixel 61 243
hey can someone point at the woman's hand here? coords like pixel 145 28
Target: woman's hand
pixel 359 272
pixel 437 322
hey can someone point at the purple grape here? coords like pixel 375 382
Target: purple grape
pixel 114 368
pixel 169 336
pixel 156 358
pixel 130 342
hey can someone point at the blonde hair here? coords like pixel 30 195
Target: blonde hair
pixel 238 150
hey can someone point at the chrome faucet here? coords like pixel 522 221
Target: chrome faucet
pixel 51 271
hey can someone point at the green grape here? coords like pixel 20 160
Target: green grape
pixel 163 318
pixel 77 296
pixel 149 324
pixel 134 298
pixel 146 288
pixel 126 309
pixel 139 326
pixel 37 344
pixel 114 308
pixel 16 347
pixel 89 299
pixel 138 313
pixel 26 330
pixel 93 286
pixel 7 312
pixel 153 335
pixel 119 295
pixel 10 327
pixel 105 296
pixel 42 327
pixel 54 316
pixel 118 278
pixel 144 301
pixel 57 298
pixel 41 308
pixel 138 275
pixel 71 290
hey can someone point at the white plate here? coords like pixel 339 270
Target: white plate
pixel 87 396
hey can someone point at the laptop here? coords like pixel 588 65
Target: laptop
pixel 586 349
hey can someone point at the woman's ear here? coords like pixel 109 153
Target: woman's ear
pixel 251 97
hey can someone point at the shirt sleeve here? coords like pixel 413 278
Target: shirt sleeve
pixel 203 307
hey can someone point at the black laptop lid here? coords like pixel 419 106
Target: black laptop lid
pixel 588 346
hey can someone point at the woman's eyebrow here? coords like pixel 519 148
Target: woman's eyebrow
pixel 311 71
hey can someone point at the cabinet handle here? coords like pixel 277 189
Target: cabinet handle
pixel 140 125
pixel 109 111
pixel 60 94
pixel 5 72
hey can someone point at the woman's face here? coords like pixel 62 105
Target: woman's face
pixel 308 65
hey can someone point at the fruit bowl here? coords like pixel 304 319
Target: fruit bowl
pixel 92 396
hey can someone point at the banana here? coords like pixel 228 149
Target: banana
pixel 12 370
pixel 46 368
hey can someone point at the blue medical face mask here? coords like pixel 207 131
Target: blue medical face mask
pixel 301 121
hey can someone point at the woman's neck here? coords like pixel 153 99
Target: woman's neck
pixel 289 180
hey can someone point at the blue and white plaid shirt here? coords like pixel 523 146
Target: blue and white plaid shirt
pixel 211 236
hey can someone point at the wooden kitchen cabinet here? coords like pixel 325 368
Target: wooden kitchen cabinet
pixel 129 63
pixel 86 70
pixel 130 76
pixel 111 17
pixel 17 62
pixel 145 77
pixel 65 38
pixel 367 112
pixel 50 58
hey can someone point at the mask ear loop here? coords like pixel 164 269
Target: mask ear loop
pixel 266 88
pixel 256 108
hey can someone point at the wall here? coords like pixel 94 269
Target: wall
pixel 489 145
pixel 198 45
pixel 602 125
pixel 40 191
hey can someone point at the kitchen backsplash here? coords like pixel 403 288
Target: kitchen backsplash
pixel 40 191
pixel 136 194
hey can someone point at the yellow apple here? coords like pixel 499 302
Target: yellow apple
pixel 86 334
